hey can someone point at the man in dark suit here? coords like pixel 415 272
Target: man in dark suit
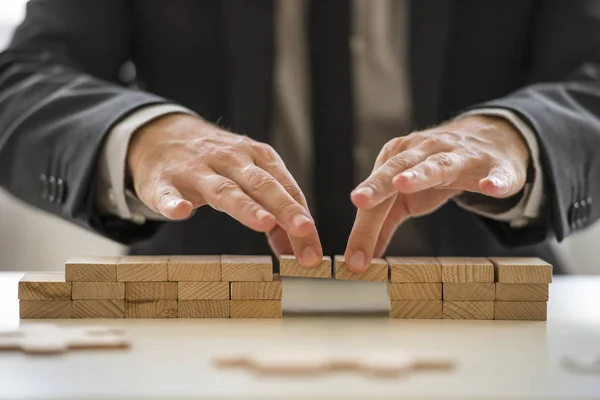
pixel 111 116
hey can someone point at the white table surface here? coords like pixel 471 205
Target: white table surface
pixel 171 359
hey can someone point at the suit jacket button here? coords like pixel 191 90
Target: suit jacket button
pixel 44 186
pixel 52 186
pixel 60 191
pixel 573 212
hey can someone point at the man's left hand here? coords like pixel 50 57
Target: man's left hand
pixel 416 174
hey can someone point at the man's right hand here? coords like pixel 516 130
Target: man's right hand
pixel 179 162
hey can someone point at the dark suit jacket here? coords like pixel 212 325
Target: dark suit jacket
pixel 61 92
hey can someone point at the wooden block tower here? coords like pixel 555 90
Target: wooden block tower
pixel 155 287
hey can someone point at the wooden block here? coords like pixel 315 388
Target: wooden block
pixel 257 290
pixel 522 270
pixel 469 291
pixel 289 266
pixel 45 309
pixel 142 268
pixel 416 291
pixel 468 309
pixel 377 271
pixel 203 309
pixel 44 286
pixel 246 268
pixel 204 290
pixel 416 309
pixel 521 310
pixel 414 269
pixel 194 268
pixel 98 290
pixel 466 269
pixel 98 309
pixel 522 291
pixel 91 269
pixel 150 308
pixel 255 308
pixel 151 290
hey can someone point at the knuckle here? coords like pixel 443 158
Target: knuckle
pixel 226 155
pixel 259 180
pixel 288 209
pixel 223 188
pixel 400 162
pixel 443 160
pixel 292 189
pixel 265 152
pixel 433 141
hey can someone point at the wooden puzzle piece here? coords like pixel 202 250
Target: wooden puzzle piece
pixel 466 269
pixel 204 290
pixel 289 266
pixel 194 268
pixel 142 268
pixel 469 291
pixel 521 310
pixel 45 309
pixel 583 363
pixel 414 269
pixel 316 362
pixel 246 268
pixel 91 269
pixel 53 339
pixel 98 290
pixel 203 309
pixel 151 290
pixel 468 309
pixel 522 270
pixel 44 286
pixel 522 291
pixel 257 290
pixel 415 291
pixel 377 271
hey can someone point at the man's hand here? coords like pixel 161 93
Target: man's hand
pixel 180 162
pixel 417 174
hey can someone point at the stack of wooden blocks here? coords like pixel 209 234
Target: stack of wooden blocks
pixel 155 287
pixel 500 288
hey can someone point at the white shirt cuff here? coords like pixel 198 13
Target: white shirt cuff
pixel 529 207
pixel 113 197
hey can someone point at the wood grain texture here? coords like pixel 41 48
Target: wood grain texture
pixel 91 269
pixel 470 291
pixel 194 268
pixel 98 309
pixel 203 309
pixel 151 290
pixel 468 309
pixel 522 270
pixel 416 309
pixel 378 271
pixel 522 291
pixel 415 291
pixel 466 269
pixel 98 290
pixel 204 290
pixel 45 309
pixel 257 290
pixel 246 268
pixel 44 286
pixel 255 308
pixel 150 308
pixel 289 266
pixel 521 310
pixel 142 268
pixel 414 269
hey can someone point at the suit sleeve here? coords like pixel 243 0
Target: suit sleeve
pixel 60 95
pixel 561 104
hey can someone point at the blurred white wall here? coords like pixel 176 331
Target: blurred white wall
pixel 33 240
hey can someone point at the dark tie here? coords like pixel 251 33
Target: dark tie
pixel 332 108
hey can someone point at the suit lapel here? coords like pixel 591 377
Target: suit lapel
pixel 430 23
pixel 248 34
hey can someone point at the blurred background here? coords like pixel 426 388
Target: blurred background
pixel 33 240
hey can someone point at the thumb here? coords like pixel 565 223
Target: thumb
pixel 170 203
pixel 501 182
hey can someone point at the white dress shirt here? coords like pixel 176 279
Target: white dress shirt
pixel 379 58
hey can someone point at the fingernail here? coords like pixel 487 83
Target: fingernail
pixel 309 256
pixel 366 191
pixel 357 261
pixel 175 203
pixel 300 220
pixel 261 215
pixel 501 188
